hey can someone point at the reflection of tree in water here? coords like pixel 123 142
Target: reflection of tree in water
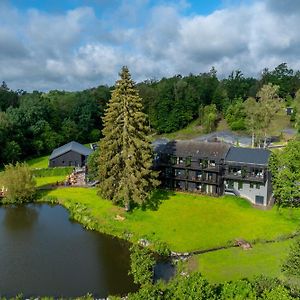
pixel 20 217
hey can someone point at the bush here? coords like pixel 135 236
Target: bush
pixel 292 264
pixel 238 290
pixel 19 182
pixel 142 264
pixel 193 287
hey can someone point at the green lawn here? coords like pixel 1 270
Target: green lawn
pixel 39 162
pixel 43 181
pixel 188 222
pixel 235 263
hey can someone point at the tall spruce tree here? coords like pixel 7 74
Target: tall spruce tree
pixel 125 161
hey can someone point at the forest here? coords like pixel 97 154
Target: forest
pixel 34 123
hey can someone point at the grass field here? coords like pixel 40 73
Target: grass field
pixel 235 263
pixel 39 162
pixel 44 181
pixel 189 222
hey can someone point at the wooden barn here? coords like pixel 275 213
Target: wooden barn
pixel 71 154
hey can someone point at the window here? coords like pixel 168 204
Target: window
pixel 173 159
pixel 240 185
pixel 179 160
pixel 212 163
pixel 178 172
pixel 186 173
pixel 244 172
pixel 198 174
pixel 259 200
pixel 230 184
pixel 209 176
pixel 251 185
pixel 199 187
pixel 257 186
pixel 188 161
pixel 169 171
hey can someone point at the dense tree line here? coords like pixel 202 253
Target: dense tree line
pixel 34 123
pixel 171 103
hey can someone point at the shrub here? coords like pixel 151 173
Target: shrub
pixel 292 264
pixel 19 182
pixel 142 264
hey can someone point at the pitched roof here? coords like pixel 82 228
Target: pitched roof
pixel 72 146
pixel 255 156
pixel 195 149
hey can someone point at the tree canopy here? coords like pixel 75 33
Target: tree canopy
pixel 34 123
pixel 285 167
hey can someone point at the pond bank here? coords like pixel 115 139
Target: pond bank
pixel 154 228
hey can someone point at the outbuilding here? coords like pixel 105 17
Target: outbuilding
pixel 71 154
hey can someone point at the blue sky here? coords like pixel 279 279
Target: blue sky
pixel 56 6
pixel 77 44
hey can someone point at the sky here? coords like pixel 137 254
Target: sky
pixel 79 44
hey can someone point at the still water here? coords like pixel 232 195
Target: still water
pixel 43 253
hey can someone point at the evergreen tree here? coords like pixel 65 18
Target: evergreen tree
pixel 125 159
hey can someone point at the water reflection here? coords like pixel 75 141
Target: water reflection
pixel 43 253
pixel 20 217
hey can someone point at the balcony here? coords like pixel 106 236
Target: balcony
pixel 248 176
pixel 203 179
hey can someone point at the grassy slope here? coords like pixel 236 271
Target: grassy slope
pixel 235 263
pixel 190 131
pixel 189 222
pixel 280 122
pixel 39 162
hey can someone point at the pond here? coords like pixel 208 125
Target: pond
pixel 43 253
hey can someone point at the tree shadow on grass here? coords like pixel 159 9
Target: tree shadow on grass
pixel 156 199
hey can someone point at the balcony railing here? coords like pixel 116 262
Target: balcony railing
pixel 260 177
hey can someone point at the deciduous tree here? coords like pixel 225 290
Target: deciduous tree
pixel 285 168
pixel 18 183
pixel 269 103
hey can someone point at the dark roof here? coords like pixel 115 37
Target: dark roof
pixel 72 146
pixel 195 149
pixel 255 156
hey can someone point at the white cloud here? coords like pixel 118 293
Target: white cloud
pixel 80 48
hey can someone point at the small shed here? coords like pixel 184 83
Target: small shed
pixel 71 154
